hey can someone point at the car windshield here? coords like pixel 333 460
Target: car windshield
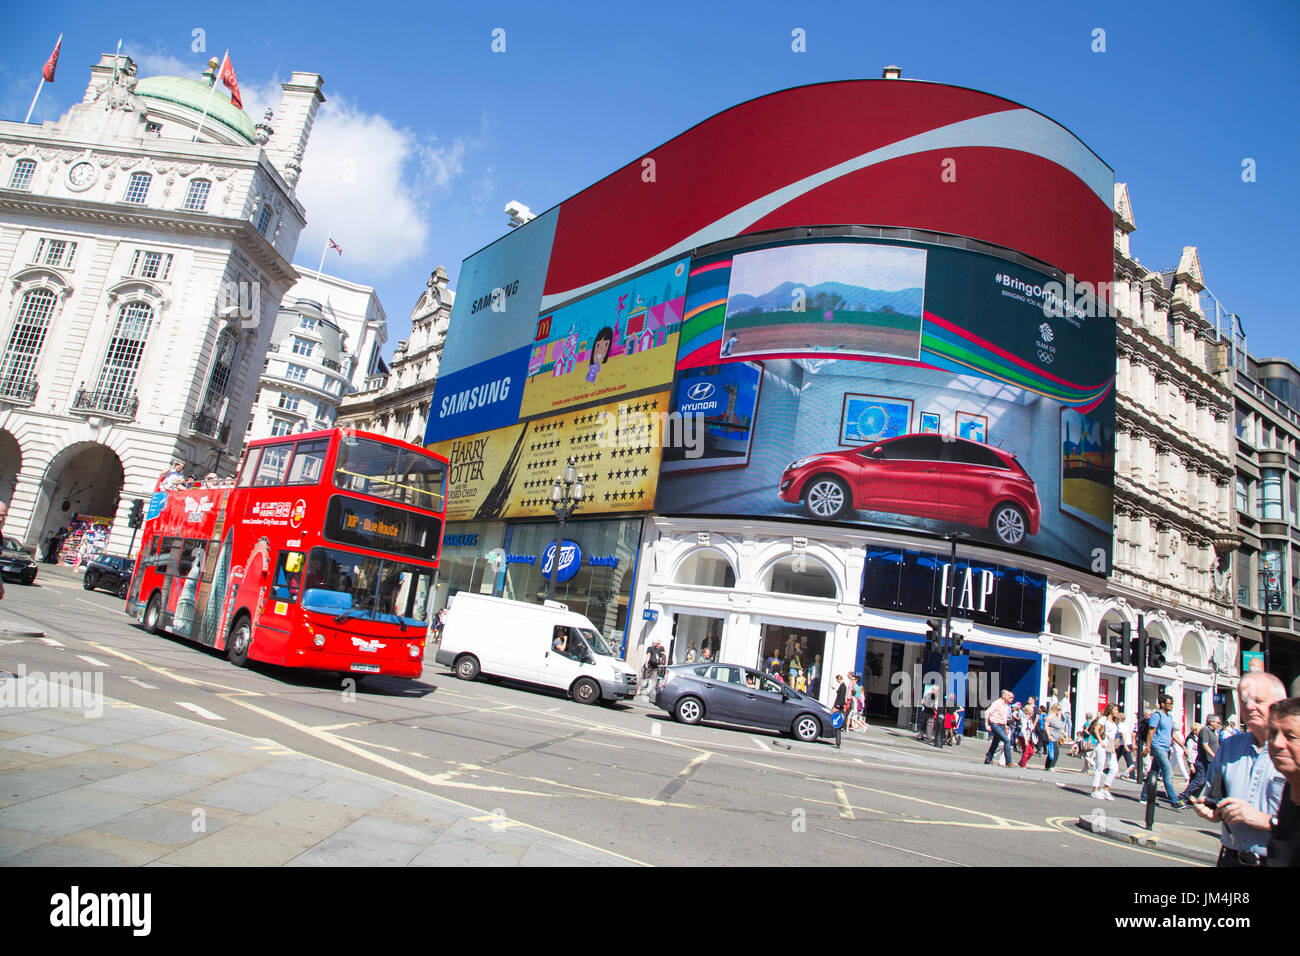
pixel 596 642
pixel 376 589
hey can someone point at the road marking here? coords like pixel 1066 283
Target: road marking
pixel 195 708
pixel 892 847
pixel 269 746
pixel 15 640
pixel 92 661
pixel 1059 823
pixel 846 809
pixel 656 731
pixel 857 760
pixel 52 642
pixel 140 683
pixel 761 745
pixel 675 784
pixel 172 675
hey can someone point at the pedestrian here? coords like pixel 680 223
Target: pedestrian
pixel 1207 744
pixel 1243 772
pixel 1106 732
pixel 995 722
pixel 652 666
pixel 1284 751
pixel 1231 730
pixel 841 696
pixel 1085 744
pixel 1055 731
pixel 1125 746
pixel 1161 739
pixel 690 653
pixel 1028 730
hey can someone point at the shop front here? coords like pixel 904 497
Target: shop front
pixel 472 560
pixel 597 569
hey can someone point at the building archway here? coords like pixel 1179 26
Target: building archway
pixel 86 478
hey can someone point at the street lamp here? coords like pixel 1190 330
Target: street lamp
pixel 567 493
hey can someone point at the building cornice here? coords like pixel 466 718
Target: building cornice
pixel 239 231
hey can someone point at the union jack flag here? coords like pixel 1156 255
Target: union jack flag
pixel 335 246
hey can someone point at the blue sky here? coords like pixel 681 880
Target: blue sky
pixel 427 133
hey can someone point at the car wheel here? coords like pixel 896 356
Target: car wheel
pixel 806 727
pixel 239 642
pixel 689 710
pixel 29 579
pixel 1008 524
pixel 152 615
pixel 88 582
pixel 586 691
pixel 826 497
pixel 467 667
pixel 124 590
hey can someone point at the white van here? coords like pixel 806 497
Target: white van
pixel 517 640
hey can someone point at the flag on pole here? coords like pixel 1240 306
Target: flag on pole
pixel 232 84
pixel 335 246
pixel 52 63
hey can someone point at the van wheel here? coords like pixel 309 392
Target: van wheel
pixel 467 667
pixel 586 691
pixel 239 641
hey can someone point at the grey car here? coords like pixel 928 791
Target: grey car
pixel 731 694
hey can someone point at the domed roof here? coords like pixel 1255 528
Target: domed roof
pixel 196 94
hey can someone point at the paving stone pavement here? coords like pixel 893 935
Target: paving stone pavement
pixel 134 787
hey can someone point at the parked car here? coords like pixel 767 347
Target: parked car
pixel 16 561
pixel 111 574
pixel 924 476
pixel 544 644
pixel 731 694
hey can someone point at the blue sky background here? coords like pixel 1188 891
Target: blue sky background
pixel 427 133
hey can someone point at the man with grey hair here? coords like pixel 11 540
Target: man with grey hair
pixel 1245 788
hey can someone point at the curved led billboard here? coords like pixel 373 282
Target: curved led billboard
pixel 692 383
pixel 897 384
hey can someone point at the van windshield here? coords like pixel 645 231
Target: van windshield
pixel 596 642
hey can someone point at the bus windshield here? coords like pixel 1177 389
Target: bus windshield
pixel 348 585
pixel 390 471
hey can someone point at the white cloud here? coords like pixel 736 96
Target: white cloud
pixel 370 185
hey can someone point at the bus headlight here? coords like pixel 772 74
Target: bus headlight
pixel 414 649
pixel 319 640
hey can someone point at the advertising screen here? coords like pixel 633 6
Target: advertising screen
pixel 902 385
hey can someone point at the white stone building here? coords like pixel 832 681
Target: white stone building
pixel 141 265
pixel 325 344
pixel 1174 520
pixel 394 401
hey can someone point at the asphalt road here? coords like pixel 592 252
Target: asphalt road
pixel 626 779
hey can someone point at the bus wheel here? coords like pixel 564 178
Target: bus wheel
pixel 152 614
pixel 237 644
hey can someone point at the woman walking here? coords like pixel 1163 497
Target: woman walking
pixel 1107 734
pixel 1055 732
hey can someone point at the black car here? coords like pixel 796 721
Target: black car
pixel 111 574
pixel 731 694
pixel 16 561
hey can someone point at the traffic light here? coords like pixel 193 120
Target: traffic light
pixel 1119 639
pixel 137 514
pixel 1156 647
pixel 958 643
pixel 934 634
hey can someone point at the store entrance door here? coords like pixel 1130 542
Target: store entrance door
pixel 795 655
pixel 696 637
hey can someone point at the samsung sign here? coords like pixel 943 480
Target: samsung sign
pixel 477 399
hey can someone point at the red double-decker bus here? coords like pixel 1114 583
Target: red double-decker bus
pixel 321 555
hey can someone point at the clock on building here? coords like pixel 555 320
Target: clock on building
pixel 82 175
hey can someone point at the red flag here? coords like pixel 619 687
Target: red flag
pixel 232 84
pixel 52 63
